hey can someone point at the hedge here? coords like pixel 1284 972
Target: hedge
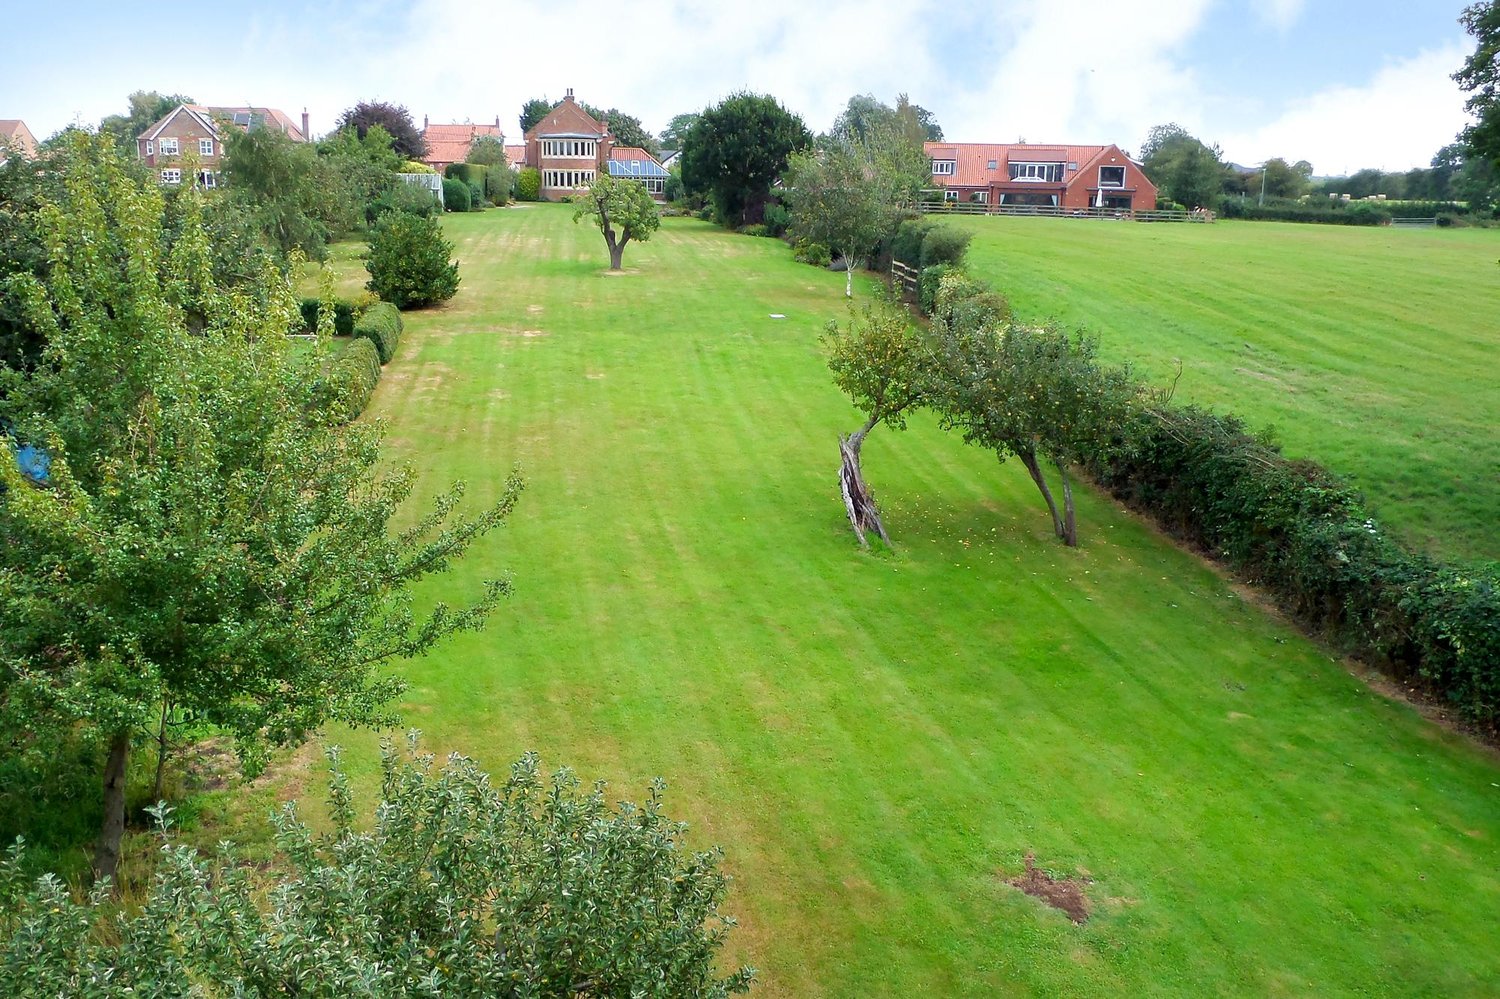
pixel 350 381
pixel 343 316
pixel 469 173
pixel 1294 529
pixel 381 325
pixel 906 246
pixel 1363 213
pixel 456 196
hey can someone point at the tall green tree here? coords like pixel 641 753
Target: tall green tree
pixel 622 210
pixel 147 107
pixel 1479 77
pixel 296 200
pixel 406 138
pixel 533 111
pixel 671 137
pixel 486 150
pixel 210 539
pixel 737 149
pixel 1183 168
pixel 626 129
pixel 837 198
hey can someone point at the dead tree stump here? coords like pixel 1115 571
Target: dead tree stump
pixel 859 501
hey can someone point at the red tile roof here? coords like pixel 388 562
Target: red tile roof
pixel 974 158
pixel 211 116
pixel 627 153
pixel 450 143
pixel 515 155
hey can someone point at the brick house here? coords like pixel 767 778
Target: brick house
pixel 16 137
pixel 1015 174
pixel 197 130
pixel 448 144
pixel 569 147
pixel 634 163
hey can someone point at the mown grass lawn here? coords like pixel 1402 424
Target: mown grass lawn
pixel 1373 351
pixel 878 739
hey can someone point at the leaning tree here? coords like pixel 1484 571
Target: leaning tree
pixel 881 362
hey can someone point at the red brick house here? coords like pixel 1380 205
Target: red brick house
pixel 193 129
pixel 1015 174
pixel 569 146
pixel 516 156
pixel 447 144
pixel 16 138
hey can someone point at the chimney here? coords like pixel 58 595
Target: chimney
pixel 305 133
pixel 569 95
pixel 424 123
pixel 497 121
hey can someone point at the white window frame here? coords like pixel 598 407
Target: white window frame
pixel 944 168
pixel 1037 172
pixel 1114 187
pixel 168 147
pixel 950 195
pixel 205 147
pixel 150 148
pixel 171 175
pixel 208 179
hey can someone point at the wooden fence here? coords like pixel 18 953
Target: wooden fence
pixel 907 276
pixel 1414 223
pixel 1116 214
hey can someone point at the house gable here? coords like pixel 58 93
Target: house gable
pixel 15 135
pixel 569 146
pixel 1059 176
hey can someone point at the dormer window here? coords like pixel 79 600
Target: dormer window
pixel 944 168
pixel 1037 173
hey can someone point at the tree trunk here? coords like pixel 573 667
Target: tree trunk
pixel 616 256
pixel 1070 521
pixel 859 502
pixel 848 278
pixel 161 752
pixel 1028 458
pixel 107 854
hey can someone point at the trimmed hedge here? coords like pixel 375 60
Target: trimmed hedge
pixel 906 246
pixel 528 184
pixel 497 185
pixel 343 316
pixel 456 196
pixel 381 325
pixel 351 379
pixel 944 244
pixel 1361 213
pixel 1296 531
pixel 476 197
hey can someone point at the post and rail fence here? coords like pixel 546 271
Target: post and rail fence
pixel 1115 214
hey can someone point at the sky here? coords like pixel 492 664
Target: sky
pixel 1343 85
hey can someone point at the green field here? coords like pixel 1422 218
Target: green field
pixel 878 740
pixel 1375 351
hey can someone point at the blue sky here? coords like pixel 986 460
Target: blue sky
pixel 1343 85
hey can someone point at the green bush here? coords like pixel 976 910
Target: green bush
pixel 469 173
pixel 1294 529
pixel 529 184
pixel 906 246
pixel 457 884
pixel 1355 213
pixel 402 197
pixel 456 196
pixel 381 325
pixel 497 184
pixel 812 253
pixel 410 263
pixel 476 197
pixel 345 390
pixel 706 213
pixel 927 285
pixel 343 316
pixel 756 229
pixel 777 218
pixel 943 244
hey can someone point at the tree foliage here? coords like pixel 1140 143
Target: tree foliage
pixel 535 887
pixel 410 263
pixel 626 129
pixel 486 150
pixel 837 199
pixel 865 115
pixel 737 149
pixel 406 138
pixel 671 137
pixel 622 210
pixel 147 107
pixel 209 540
pixel 1182 167
pixel 1479 77
pixel 534 111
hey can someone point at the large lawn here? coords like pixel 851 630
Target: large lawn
pixel 1376 351
pixel 878 739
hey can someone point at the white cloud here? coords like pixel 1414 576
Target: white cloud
pixel 1405 112
pixel 1279 14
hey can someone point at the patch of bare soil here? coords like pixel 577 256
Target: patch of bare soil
pixel 211 764
pixel 1060 893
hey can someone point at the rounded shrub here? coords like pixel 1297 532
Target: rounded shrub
pixel 456 196
pixel 529 184
pixel 927 285
pixel 906 245
pixel 476 197
pixel 410 263
pixel 497 183
pixel 943 244
pixel 812 253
